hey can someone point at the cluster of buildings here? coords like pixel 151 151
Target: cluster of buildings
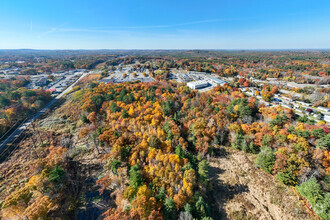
pixel 301 108
pixel 11 71
pixel 64 80
pixel 197 80
pixel 208 81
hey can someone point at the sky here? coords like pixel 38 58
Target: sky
pixel 164 24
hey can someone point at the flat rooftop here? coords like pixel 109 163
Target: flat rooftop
pixel 216 80
pixel 200 82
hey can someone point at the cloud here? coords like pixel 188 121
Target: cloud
pixel 86 30
pixel 123 29
pixel 54 29
pixel 175 25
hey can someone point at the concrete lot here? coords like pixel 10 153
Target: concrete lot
pixel 126 75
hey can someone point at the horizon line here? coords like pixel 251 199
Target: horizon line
pixel 172 49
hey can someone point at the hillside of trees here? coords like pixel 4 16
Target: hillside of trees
pixel 150 145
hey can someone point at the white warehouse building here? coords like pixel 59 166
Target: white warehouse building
pixel 197 84
pixel 217 81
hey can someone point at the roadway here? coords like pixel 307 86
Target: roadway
pixel 296 111
pixel 19 130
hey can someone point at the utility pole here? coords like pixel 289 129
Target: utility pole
pixel 34 129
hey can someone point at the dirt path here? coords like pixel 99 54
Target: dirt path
pixel 243 192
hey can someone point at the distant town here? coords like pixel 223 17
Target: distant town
pixel 58 81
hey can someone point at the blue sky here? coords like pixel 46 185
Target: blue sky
pixel 164 24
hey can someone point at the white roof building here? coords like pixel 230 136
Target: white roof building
pixel 217 81
pixel 198 84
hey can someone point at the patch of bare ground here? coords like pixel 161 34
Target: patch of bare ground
pixel 241 191
pixel 82 199
pixel 85 156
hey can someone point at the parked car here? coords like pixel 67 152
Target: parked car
pixel 309 110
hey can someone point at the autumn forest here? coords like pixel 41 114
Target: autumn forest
pixel 149 150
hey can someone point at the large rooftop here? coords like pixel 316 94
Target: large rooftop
pixel 200 82
pixel 218 81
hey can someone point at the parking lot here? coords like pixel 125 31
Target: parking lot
pixel 63 81
pixel 127 75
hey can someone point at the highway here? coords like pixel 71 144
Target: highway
pixel 19 130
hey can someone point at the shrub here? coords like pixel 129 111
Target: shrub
pixel 203 171
pixel 253 148
pixel 161 194
pixel 288 178
pixel 135 176
pixel 266 159
pixel 311 190
pixel 180 152
pixel 114 165
pixel 319 133
pixel 169 209
pixel 324 142
pixel 84 119
pixel 266 140
pixel 56 174
pixel 322 208
pixel 289 175
pixel 201 207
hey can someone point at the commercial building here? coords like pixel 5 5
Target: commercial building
pixel 41 81
pixel 198 84
pixel 217 81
